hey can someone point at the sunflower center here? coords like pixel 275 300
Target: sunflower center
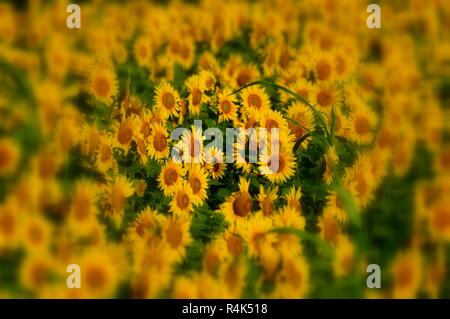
pixel 341 65
pixel 182 200
pixel 105 153
pixel 125 135
pixel 234 245
pixel 442 218
pixel 196 96
pixel 226 107
pixel 303 93
pixel 243 78
pixel 242 205
pixel 196 185
pixel 267 207
pixel 445 159
pixel 159 142
pixel 323 69
pixel 7 223
pixel 324 98
pixel 143 52
pixel 145 129
pixel 96 278
pixel 101 86
pixel 271 123
pixel 168 100
pixel 194 147
pixel 404 276
pixel 38 272
pixel 276 158
pixel 330 229
pixel 81 209
pixel 36 235
pixel 362 125
pixel 255 101
pixel 174 235
pixel 5 157
pixel 293 275
pixel 170 176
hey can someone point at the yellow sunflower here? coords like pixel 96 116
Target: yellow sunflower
pixel 117 191
pixel 300 119
pixel 191 144
pixel 255 98
pixel 292 198
pixel 277 167
pixel 239 205
pixel 176 233
pixel 102 83
pixel 170 177
pixel 9 156
pixel 146 224
pixel 158 142
pixel 362 124
pixel 227 108
pixel 125 132
pixel 215 165
pixel 142 51
pixel 197 179
pixel 83 212
pixel 166 100
pixel 182 200
pixel 267 200
pixel 256 234
pixel 324 96
pixel 196 97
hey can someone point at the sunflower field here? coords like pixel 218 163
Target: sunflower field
pixel 88 175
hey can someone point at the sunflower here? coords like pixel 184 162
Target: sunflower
pixel 182 200
pixel 36 233
pixel 439 219
pixel 105 159
pixel 158 142
pixel 227 108
pixel 345 258
pixel 245 74
pixel 195 86
pixel 273 120
pixel 335 207
pixel 142 51
pixel 331 160
pixel 197 179
pixel 125 132
pixel 176 233
pixel 407 274
pixel 255 98
pixel 267 200
pixel 9 156
pixel 359 181
pixel 35 271
pixel 362 124
pixel 324 96
pixel 9 225
pixel 146 224
pixel 256 234
pixel 191 144
pixel 300 119
pixel 83 212
pixel 288 243
pixel 293 279
pixel 324 66
pixel 170 177
pixel 233 274
pixel 101 272
pixel 117 191
pixel 239 205
pixel 214 255
pixel 292 198
pixel 330 229
pixel 102 83
pixel 277 167
pixel 235 243
pixel 166 100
